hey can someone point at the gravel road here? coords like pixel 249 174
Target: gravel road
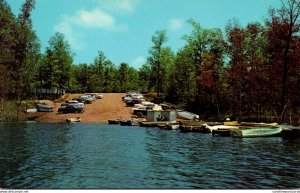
pixel 110 106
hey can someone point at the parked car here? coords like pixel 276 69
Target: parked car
pixel 44 108
pixel 71 102
pixel 131 102
pixel 71 108
pixel 87 99
pixel 96 95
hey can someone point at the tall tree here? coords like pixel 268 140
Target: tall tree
pixel 56 67
pixel 283 29
pixel 123 76
pixel 145 78
pixel 26 49
pixel 155 60
pixel 7 44
pixel 206 52
pixel 237 66
pixel 182 86
pixel 98 67
pixel 257 85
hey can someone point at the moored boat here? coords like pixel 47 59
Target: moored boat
pixel 256 132
pixel 129 123
pixel 210 129
pixel 186 115
pixel 73 120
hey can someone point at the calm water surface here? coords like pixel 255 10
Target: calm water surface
pixel 35 155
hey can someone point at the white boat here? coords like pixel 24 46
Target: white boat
pixel 186 115
pixel 256 132
pixel 210 129
pixel 73 120
pixel 33 110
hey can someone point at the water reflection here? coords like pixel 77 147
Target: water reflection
pixel 105 156
pixel 30 155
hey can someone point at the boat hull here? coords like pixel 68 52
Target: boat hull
pixel 186 115
pixel 257 132
pixel 73 120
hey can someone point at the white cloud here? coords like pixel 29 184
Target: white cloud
pixel 99 18
pixel 95 18
pixel 85 19
pixel 138 62
pixel 73 39
pixel 176 24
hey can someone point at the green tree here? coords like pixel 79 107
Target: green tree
pixel 185 79
pixel 26 50
pixel 7 44
pixel 96 82
pixel 257 85
pixel 155 60
pixel 206 52
pixel 80 75
pixel 123 77
pixel 145 78
pixel 47 71
pixel 56 66
pixel 62 59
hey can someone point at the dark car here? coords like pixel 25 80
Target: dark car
pixel 71 108
pixel 44 108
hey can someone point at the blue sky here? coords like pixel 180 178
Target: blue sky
pixel 122 29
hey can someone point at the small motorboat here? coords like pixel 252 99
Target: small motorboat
pixel 210 129
pixel 73 120
pixel 186 115
pixel 256 132
pixel 129 123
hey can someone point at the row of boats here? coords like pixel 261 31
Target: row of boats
pixel 233 129
pixel 192 123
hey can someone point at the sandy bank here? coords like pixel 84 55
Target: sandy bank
pixel 110 106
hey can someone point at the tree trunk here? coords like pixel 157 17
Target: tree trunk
pixel 284 77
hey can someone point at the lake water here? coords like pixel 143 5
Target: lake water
pixel 37 156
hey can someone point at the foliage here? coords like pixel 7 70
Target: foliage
pixel 156 60
pixel 56 65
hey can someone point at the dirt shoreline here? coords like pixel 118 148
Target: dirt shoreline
pixel 111 106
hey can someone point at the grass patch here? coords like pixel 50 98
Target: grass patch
pixel 11 111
